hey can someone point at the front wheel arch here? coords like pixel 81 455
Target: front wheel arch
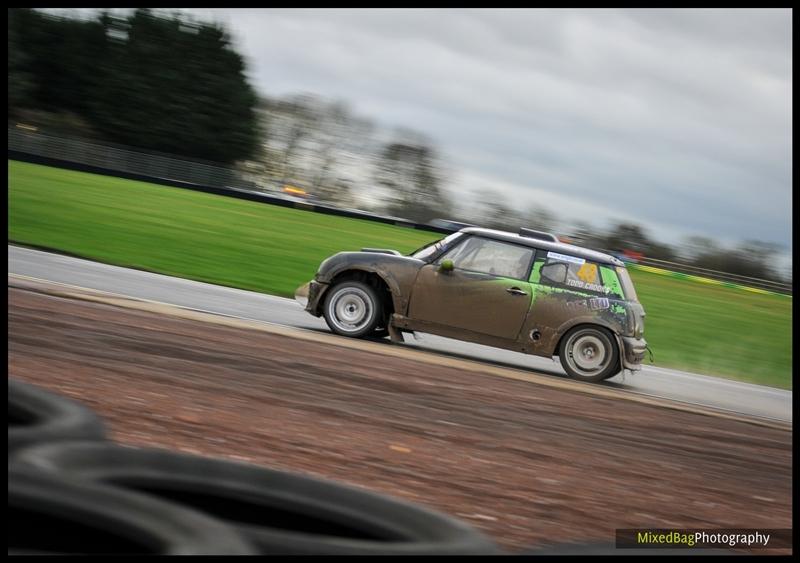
pixel 370 278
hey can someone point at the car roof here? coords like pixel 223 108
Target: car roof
pixel 559 247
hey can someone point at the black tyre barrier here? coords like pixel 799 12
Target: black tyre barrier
pixel 48 514
pixel 279 512
pixel 36 415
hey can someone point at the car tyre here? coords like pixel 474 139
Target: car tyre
pixel 589 353
pixel 51 514
pixel 36 415
pixel 353 309
pixel 276 511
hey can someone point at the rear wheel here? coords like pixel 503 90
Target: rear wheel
pixel 353 309
pixel 589 354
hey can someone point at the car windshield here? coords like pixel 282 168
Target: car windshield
pixel 434 247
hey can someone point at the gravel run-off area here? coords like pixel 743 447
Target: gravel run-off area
pixel 527 464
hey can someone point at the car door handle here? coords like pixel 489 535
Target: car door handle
pixel 516 291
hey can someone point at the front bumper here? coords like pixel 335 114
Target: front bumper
pixel 633 351
pixel 309 295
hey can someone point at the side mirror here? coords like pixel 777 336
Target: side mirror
pixel 446 265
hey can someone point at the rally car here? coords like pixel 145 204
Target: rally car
pixel 525 292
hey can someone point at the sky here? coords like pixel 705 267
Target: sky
pixel 679 120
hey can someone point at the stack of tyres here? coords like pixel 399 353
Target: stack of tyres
pixel 279 512
pixel 36 416
pixel 50 514
pixel 142 500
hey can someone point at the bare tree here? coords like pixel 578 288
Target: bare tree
pixel 541 219
pixel 318 145
pixel 694 247
pixel 410 175
pixel 492 210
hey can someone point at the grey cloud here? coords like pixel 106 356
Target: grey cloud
pixel 689 110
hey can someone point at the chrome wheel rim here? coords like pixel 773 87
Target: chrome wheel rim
pixel 350 309
pixel 587 353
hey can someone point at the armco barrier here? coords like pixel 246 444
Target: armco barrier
pixel 680 276
pixel 707 273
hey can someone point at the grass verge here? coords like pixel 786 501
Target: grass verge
pixel 691 326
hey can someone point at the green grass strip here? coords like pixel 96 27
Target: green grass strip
pixel 705 328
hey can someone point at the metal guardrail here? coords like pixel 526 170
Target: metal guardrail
pixel 79 154
pixel 123 159
pixel 736 279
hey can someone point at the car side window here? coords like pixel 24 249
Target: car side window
pixel 491 257
pixel 554 273
pixel 572 272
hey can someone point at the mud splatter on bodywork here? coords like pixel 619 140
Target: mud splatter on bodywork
pixel 397 271
pixel 555 310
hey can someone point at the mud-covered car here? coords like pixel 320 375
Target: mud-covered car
pixel 525 292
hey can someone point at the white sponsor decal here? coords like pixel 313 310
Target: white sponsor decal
pixel 599 303
pixel 594 304
pixel 590 286
pixel 565 258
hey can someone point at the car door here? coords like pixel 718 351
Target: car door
pixel 487 291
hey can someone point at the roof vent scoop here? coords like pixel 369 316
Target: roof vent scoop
pixel 530 233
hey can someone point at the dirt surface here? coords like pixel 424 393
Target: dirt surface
pixel 527 464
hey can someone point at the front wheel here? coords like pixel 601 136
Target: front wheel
pixel 589 354
pixel 352 309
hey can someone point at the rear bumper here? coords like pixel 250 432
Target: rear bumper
pixel 633 351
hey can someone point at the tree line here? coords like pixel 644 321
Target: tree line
pixel 148 81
